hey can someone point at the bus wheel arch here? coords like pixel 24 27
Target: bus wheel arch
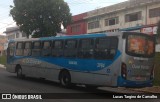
pixel 65 78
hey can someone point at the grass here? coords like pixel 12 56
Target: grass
pixel 3 60
pixel 157 70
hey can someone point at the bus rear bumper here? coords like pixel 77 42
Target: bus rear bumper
pixel 126 83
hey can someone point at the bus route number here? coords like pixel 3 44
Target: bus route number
pixel 100 65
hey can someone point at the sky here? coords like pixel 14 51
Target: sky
pixel 76 7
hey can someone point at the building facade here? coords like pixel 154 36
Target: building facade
pixel 14 33
pixel 78 25
pixel 132 15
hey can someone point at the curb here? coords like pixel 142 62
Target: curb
pixel 132 90
pixel 120 90
pixel 149 90
pixel 145 91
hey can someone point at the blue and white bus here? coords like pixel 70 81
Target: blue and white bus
pixel 121 59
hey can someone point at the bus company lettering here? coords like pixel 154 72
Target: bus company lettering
pixel 100 65
pixel 73 62
pixel 134 66
pixel 31 61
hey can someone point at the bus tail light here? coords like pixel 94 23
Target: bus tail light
pixel 152 73
pixel 124 70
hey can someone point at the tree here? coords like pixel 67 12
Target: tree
pixel 41 18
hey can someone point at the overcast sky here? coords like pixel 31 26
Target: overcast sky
pixel 76 7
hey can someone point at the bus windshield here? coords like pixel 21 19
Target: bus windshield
pixel 140 45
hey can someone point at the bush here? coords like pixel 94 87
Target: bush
pixel 157 70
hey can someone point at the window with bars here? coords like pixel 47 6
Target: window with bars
pixel 93 25
pixel 75 28
pixel 133 16
pixel 154 12
pixel 111 21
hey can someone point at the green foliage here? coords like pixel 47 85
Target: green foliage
pixel 43 17
pixel 3 60
pixel 157 70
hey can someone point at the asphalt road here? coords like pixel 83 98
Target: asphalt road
pixel 9 83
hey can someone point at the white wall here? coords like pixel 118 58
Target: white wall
pixel 158 48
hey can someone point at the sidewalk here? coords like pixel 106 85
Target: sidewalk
pixel 154 89
pixel 119 90
pixel 2 66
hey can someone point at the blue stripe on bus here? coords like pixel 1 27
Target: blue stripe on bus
pixel 76 63
pixel 81 64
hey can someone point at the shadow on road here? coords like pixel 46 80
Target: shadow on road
pixel 85 92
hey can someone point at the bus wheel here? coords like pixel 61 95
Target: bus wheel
pixel 19 72
pixel 65 79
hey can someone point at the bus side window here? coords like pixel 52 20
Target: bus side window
pixel 27 48
pixel 36 50
pixel 106 48
pixel 57 48
pixel 19 49
pixel 86 48
pixel 11 48
pixel 70 48
pixel 46 48
pixel 113 47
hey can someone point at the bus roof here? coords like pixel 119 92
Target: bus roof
pixel 70 37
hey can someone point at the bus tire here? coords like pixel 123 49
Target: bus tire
pixel 19 72
pixel 65 78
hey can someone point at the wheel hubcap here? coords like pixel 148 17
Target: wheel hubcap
pixel 19 72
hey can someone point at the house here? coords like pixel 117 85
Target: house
pixel 14 33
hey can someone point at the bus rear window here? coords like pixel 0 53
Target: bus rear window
pixel 138 45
